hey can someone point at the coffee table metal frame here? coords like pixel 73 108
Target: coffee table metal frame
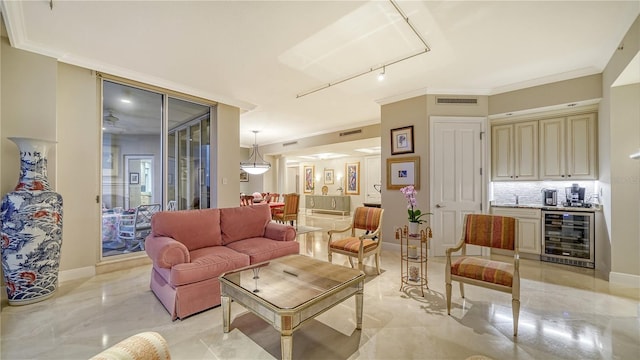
pixel 287 320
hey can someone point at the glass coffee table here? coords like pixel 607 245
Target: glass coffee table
pixel 288 291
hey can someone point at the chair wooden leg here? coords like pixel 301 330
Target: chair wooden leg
pixel 515 304
pixel 350 261
pixel 462 290
pixel 378 263
pixel 448 298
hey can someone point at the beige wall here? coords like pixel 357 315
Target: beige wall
pixel 78 167
pixel 608 145
pixel 227 163
pixel 562 92
pixel 400 114
pixel 368 132
pixel 29 108
pixel 625 189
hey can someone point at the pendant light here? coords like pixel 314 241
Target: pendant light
pixel 255 165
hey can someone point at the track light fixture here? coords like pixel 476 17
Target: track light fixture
pixel 255 165
pixel 425 49
pixel 381 75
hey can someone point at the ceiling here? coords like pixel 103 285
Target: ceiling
pixel 261 55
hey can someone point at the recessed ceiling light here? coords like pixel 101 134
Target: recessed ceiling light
pixel 126 101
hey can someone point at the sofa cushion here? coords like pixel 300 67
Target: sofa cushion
pixel 207 263
pixel 244 222
pixel 262 249
pixel 196 229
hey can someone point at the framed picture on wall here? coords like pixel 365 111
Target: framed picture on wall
pixel 134 178
pixel 328 176
pixel 110 156
pixel 402 172
pixel 309 178
pixel 402 140
pixel 352 171
pixel 244 176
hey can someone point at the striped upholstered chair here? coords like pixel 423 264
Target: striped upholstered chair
pixel 365 242
pixel 491 231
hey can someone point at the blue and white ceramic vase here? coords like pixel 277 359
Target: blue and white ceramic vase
pixel 31 228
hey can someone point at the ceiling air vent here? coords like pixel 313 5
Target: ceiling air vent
pixel 352 132
pixel 290 143
pixel 465 101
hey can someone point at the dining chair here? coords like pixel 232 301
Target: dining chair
pixel 288 212
pixel 493 232
pixel 246 200
pixel 364 239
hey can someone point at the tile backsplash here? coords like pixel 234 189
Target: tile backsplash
pixel 530 192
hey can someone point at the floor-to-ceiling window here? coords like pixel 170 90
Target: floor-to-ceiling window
pixel 188 150
pixel 138 177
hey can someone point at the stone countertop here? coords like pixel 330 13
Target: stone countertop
pixel 593 208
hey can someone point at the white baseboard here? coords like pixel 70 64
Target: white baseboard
pixel 624 279
pixel 73 274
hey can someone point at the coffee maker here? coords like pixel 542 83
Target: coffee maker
pixel 575 196
pixel 549 197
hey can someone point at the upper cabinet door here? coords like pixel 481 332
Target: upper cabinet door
pixel 514 151
pixel 526 151
pixel 502 152
pixel 568 148
pixel 581 147
pixel 552 152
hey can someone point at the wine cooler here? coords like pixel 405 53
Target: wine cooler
pixel 568 238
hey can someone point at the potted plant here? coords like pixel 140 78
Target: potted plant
pixel 415 215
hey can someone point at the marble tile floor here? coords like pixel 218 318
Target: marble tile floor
pixel 566 313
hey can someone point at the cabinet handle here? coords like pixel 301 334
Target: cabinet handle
pixel 568 175
pixel 561 175
pixel 439 206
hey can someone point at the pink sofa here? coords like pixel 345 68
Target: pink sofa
pixel 191 248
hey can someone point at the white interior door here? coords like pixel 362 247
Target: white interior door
pixel 374 177
pixel 457 157
pixel 292 185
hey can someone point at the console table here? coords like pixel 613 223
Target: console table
pixel 328 203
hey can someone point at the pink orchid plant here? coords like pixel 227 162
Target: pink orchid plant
pixel 415 215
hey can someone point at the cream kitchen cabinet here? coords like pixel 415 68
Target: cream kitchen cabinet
pixel 529 228
pixel 514 151
pixel 568 148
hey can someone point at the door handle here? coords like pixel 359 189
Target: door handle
pixel 439 206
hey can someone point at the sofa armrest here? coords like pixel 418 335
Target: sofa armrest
pixel 165 251
pixel 280 232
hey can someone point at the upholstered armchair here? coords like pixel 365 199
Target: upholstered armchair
pixel 490 231
pixel 369 221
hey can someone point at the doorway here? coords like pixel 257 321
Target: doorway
pixel 457 184
pixel 139 187
pixel 373 180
